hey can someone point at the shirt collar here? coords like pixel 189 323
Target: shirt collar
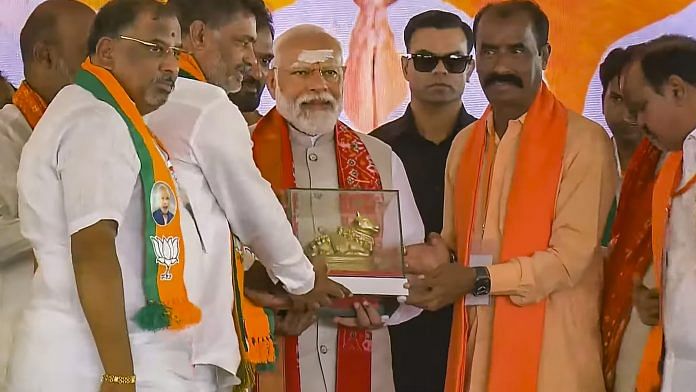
pixel 298 138
pixel 463 119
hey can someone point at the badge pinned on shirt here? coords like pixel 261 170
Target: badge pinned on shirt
pixel 163 204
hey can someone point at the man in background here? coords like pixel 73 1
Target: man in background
pixel 659 87
pixel 249 97
pixel 437 68
pixel 53 43
pixel 623 333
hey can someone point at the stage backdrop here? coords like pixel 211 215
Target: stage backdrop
pixel 371 31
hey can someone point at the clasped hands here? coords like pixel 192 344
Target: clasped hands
pixel 433 281
pixel 298 312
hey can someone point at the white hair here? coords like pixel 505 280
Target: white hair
pixel 306 31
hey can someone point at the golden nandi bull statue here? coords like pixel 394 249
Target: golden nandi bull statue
pixel 346 243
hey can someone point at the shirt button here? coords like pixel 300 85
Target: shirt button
pixel 313 157
pixel 323 349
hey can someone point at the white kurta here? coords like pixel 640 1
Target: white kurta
pixel 210 148
pixel 679 311
pixel 315 167
pixel 16 257
pixel 80 167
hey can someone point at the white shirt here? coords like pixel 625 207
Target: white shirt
pixel 16 257
pixel 210 148
pixel 680 284
pixel 80 167
pixel 315 167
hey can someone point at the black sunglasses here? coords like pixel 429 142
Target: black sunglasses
pixel 454 63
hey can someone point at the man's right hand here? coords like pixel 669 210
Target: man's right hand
pixel 647 302
pixel 324 292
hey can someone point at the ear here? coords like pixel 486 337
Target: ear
pixel 197 32
pixel 545 53
pixel 675 88
pixel 271 82
pixel 104 54
pixel 43 54
pixel 404 66
pixel 470 69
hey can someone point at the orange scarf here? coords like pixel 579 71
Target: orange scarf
pixel 517 330
pixel 631 252
pixel 166 298
pixel 29 103
pixel 356 170
pixel 188 68
pixel 650 377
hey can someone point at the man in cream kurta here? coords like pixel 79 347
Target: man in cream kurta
pixel 565 273
pixel 42 82
pixel 296 79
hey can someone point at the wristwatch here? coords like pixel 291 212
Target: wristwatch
pixel 482 281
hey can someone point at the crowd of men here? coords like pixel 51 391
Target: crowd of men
pixel 143 245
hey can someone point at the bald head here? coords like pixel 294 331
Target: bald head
pixel 306 43
pixel 53 43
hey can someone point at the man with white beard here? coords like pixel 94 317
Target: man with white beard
pixel 302 144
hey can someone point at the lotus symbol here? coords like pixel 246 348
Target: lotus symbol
pixel 166 253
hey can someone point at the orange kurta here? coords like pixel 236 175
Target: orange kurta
pixel 568 274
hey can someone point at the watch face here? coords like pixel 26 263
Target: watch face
pixel 481 290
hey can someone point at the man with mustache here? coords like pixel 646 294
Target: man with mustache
pixel 659 87
pixel 210 148
pixel 254 82
pixel 53 43
pixel 527 192
pixel 437 68
pixel 109 309
pixel 301 143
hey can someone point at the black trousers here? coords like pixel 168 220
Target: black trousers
pixel 419 351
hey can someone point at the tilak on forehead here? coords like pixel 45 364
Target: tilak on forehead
pixel 316 56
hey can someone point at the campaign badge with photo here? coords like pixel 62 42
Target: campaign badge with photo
pixel 163 203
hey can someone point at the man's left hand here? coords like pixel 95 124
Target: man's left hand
pixel 441 287
pixel 366 317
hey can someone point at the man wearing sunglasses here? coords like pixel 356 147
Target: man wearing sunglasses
pixel 437 68
pixel 528 191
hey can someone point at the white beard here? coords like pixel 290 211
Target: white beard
pixel 312 122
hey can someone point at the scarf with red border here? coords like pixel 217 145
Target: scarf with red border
pixel 356 170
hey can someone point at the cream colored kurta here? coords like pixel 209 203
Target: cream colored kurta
pixel 568 275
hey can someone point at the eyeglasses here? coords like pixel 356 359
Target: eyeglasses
pixel 156 49
pixel 454 63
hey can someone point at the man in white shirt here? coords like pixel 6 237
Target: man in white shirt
pixel 318 151
pixel 659 88
pixel 210 148
pixel 96 322
pixel 53 43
